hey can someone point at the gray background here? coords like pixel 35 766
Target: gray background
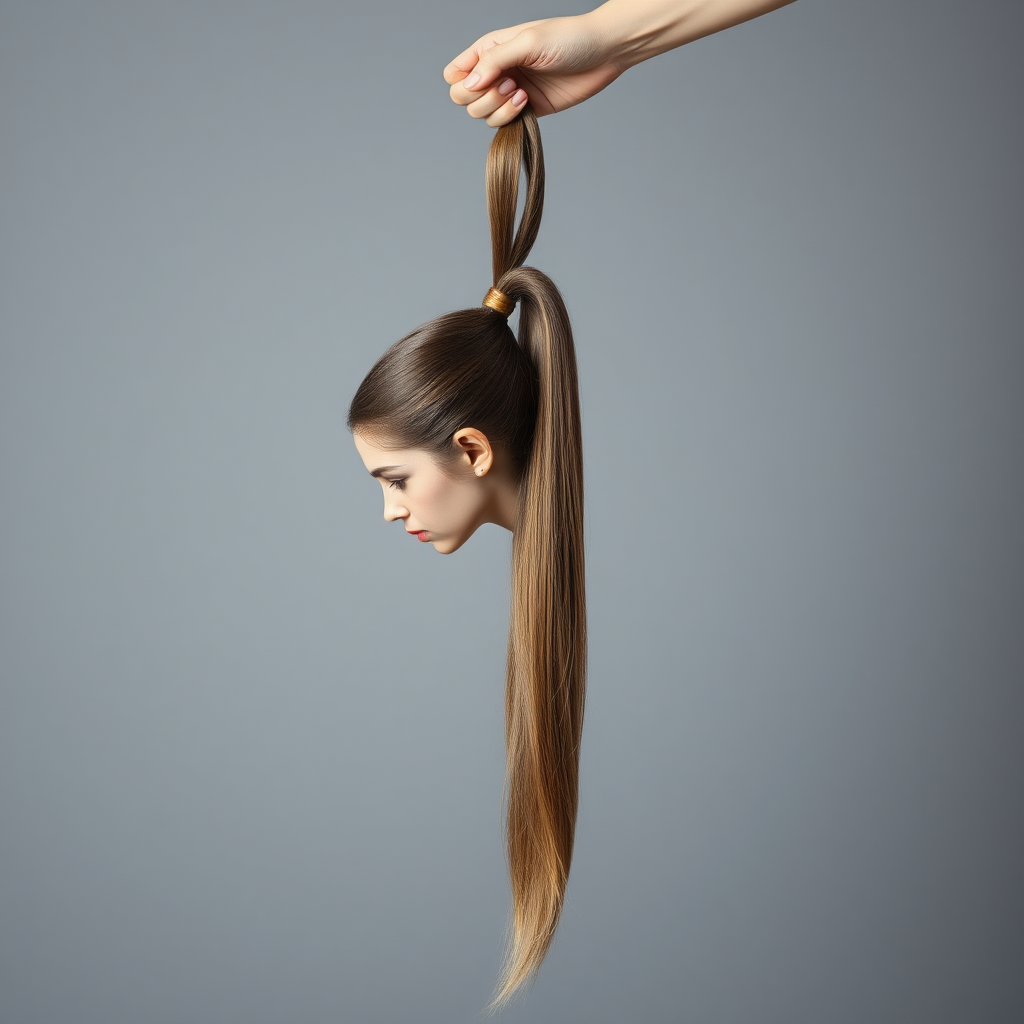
pixel 251 735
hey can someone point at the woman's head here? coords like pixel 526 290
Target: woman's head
pixel 450 409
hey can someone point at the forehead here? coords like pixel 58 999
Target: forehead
pixel 375 456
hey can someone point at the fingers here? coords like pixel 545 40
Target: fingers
pixel 492 99
pixel 470 98
pixel 495 61
pixel 466 61
pixel 498 105
pixel 478 76
pixel 509 110
pixel 459 68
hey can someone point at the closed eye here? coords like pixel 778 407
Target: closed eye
pixel 398 485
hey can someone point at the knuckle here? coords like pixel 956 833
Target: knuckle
pixel 530 37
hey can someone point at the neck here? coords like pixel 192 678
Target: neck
pixel 504 500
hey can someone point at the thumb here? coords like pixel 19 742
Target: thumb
pixel 519 50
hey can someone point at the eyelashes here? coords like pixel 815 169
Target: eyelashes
pixel 398 485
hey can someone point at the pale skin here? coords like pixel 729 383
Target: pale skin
pixel 556 63
pixel 443 503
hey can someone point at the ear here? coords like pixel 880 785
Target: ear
pixel 475 451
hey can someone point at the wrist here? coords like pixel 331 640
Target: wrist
pixel 632 31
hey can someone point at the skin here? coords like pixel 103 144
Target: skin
pixel 448 500
pixel 559 62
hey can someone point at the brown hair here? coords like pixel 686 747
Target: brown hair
pixel 466 369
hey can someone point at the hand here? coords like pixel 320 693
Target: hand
pixel 554 63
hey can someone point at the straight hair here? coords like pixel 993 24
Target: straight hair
pixel 468 369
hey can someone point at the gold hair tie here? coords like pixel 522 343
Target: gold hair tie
pixel 499 301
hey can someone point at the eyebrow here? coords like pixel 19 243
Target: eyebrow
pixel 381 470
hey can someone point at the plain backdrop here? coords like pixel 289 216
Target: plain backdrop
pixel 251 745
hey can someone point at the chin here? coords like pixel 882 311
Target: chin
pixel 450 545
pixel 447 547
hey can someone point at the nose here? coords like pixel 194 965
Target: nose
pixel 394 510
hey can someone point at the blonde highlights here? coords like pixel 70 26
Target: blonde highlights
pixel 468 369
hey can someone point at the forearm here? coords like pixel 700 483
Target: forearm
pixel 639 29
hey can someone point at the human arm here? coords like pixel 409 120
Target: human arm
pixel 556 63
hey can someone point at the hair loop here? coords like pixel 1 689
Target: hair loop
pixel 499 302
pixel 515 152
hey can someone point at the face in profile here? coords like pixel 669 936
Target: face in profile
pixel 439 504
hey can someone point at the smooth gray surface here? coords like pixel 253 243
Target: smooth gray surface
pixel 251 736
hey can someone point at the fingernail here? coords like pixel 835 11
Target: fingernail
pixel 519 99
pixel 470 82
pixel 506 87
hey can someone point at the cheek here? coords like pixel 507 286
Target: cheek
pixel 446 500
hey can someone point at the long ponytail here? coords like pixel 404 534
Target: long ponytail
pixel 547 649
pixel 467 368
